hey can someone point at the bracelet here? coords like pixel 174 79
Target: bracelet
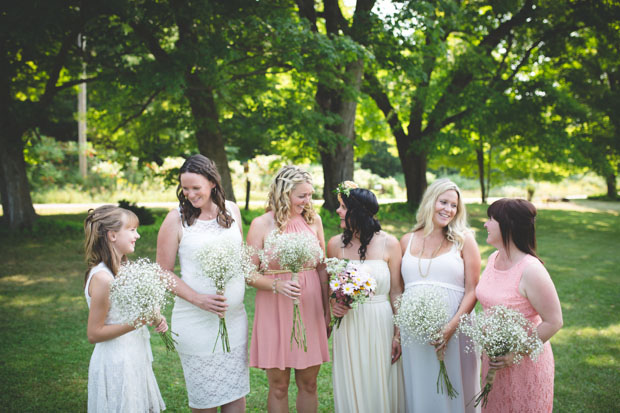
pixel 274 284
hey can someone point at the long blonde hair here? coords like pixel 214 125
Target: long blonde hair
pixel 457 229
pixel 279 195
pixel 97 247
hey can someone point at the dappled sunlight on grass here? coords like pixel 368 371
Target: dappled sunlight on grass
pixel 23 280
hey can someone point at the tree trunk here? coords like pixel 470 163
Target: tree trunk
pixel 14 188
pixel 480 158
pixel 208 135
pixel 337 161
pixel 612 191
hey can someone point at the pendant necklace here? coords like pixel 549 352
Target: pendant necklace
pixel 430 261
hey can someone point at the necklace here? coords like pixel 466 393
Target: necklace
pixel 430 261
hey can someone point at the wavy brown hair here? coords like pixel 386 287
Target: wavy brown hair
pixel 97 247
pixel 201 165
pixel 279 195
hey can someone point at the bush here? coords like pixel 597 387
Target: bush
pixel 144 215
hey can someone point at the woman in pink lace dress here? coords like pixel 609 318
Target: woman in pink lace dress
pixel 515 277
pixel 289 210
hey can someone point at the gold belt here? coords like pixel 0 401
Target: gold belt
pixel 275 272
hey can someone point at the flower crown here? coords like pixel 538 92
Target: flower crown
pixel 345 188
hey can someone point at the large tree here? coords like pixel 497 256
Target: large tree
pixel 436 56
pixel 39 60
pixel 338 95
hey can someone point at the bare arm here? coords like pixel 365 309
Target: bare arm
pixel 97 331
pixel 323 276
pixel 168 240
pixel 394 259
pixel 234 208
pixel 471 260
pixel 536 285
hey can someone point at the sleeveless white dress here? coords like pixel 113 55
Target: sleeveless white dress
pixel 212 377
pixel 120 375
pixel 364 378
pixel 420 364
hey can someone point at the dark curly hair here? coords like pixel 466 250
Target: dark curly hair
pixel 362 207
pixel 201 165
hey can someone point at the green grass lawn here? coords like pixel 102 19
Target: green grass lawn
pixel 44 353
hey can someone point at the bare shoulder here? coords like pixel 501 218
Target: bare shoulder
pixel 390 239
pixel 233 207
pixel 100 283
pixel 404 241
pixel 262 223
pixel 334 244
pixel 535 271
pixel 172 218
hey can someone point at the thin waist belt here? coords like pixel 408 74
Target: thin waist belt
pixel 377 299
pixel 274 272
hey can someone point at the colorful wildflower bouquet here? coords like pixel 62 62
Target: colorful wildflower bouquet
pixel 292 251
pixel 349 285
pixel 221 262
pixel 497 331
pixel 422 314
pixel 139 293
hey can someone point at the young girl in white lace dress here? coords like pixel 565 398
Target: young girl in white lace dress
pixel 120 375
pixel 213 377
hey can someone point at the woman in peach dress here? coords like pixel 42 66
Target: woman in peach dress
pixel 515 277
pixel 289 210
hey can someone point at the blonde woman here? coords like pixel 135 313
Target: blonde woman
pixel 289 210
pixel 441 251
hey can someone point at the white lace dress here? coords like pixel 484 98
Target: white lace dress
pixel 120 375
pixel 212 377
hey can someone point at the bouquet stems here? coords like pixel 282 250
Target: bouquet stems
pixel 335 321
pixel 222 332
pixel 166 337
pixel 298 333
pixel 483 396
pixel 443 379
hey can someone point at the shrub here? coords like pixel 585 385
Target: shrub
pixel 144 215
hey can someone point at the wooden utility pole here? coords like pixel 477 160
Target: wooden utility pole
pixel 82 113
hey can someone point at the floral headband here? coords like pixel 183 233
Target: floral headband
pixel 345 188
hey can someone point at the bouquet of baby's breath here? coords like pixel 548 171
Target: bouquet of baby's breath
pixel 221 262
pixel 139 292
pixel 497 331
pixel 349 285
pixel 292 251
pixel 422 314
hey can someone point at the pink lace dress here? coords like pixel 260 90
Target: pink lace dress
pixel 273 320
pixel 527 386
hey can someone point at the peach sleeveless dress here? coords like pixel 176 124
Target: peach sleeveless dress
pixel 528 386
pixel 273 320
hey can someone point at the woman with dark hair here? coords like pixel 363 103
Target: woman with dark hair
pixel 213 378
pixel 367 372
pixel 515 277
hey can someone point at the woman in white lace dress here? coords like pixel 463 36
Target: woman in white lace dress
pixel 213 377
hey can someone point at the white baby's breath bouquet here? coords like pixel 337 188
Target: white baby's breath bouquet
pixel 422 314
pixel 498 331
pixel 221 262
pixel 139 293
pixel 292 251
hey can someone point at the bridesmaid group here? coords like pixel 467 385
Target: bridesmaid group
pixel 372 370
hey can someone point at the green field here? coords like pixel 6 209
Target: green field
pixel 44 353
